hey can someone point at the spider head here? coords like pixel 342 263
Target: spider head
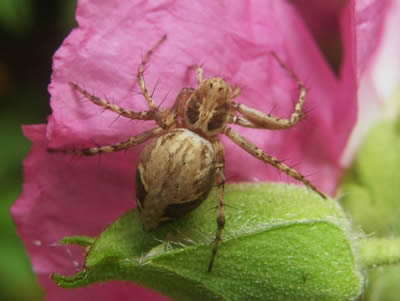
pixel 207 109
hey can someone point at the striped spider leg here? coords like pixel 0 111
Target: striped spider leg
pixel 164 119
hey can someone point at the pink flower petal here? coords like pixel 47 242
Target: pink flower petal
pixel 369 23
pixel 112 290
pixel 64 196
pixel 385 69
pixel 363 28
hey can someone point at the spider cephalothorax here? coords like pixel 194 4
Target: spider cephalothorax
pixel 208 108
pixel 177 169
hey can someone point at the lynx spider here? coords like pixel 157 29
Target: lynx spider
pixel 167 187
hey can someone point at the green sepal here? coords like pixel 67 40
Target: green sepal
pixel 379 251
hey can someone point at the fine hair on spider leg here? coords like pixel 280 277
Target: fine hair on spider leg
pixel 185 158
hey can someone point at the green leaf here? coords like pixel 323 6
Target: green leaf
pixel 281 243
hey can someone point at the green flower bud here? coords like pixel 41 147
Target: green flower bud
pixel 281 242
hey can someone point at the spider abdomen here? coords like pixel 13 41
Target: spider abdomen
pixel 174 175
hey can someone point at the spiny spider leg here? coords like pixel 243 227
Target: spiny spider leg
pixel 268 121
pixel 220 181
pixel 259 154
pixel 112 107
pixel 239 120
pixel 244 122
pixel 291 73
pixel 132 141
pixel 140 77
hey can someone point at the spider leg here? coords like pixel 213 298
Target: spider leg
pixel 244 122
pixel 145 115
pixel 132 141
pixel 274 123
pixel 140 77
pixel 259 154
pixel 268 121
pixel 220 180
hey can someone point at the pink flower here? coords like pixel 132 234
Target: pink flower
pixel 65 196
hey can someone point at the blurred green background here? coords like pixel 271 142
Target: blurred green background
pixel 30 32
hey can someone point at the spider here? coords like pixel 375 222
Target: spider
pixel 178 168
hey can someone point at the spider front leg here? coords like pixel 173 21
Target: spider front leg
pixel 145 115
pixel 140 80
pixel 220 181
pixel 257 119
pixel 259 154
pixel 157 115
pixel 132 141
